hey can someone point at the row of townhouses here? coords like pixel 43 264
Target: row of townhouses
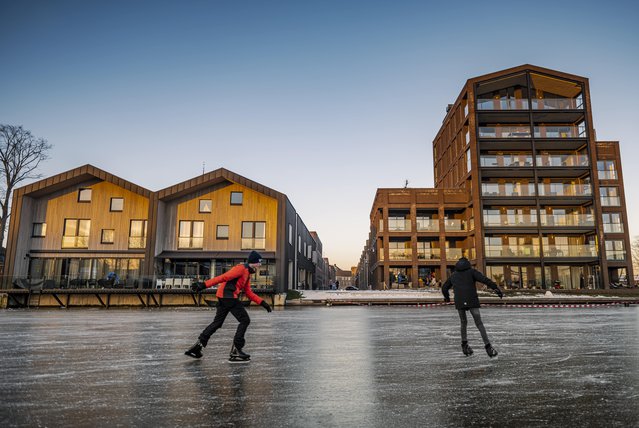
pixel 75 228
pixel 522 188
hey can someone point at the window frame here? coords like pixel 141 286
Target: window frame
pixel 217 232
pixel 111 205
pixel 43 230
pixel 241 202
pixel 201 211
pixel 103 241
pixel 85 190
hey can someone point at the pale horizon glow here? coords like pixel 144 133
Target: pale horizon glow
pixel 322 101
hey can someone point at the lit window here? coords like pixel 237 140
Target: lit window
pixel 117 204
pixel 237 198
pixel 191 234
pixel 84 195
pixel 137 234
pixel 76 233
pixel 206 205
pixel 254 235
pixel 108 236
pixel 39 230
pixel 222 231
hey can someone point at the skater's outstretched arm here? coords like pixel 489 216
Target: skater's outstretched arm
pixel 480 277
pixel 236 272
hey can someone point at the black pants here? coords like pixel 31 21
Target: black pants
pixel 464 324
pixel 224 306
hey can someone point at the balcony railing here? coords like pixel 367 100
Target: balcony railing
pixel 454 225
pixel 428 225
pixel 558 104
pixel 507 189
pixel 616 255
pixel 399 225
pixel 509 104
pixel 563 189
pixel 562 160
pixel 505 161
pixel 512 251
pixel 75 242
pixel 454 253
pixel 607 175
pixel 253 243
pixel 570 250
pixel 510 220
pixel 567 131
pixel 504 132
pixel 400 254
pixel 429 254
pixel 610 201
pixel 137 242
pixel 577 220
pixel 190 242
pixel 613 228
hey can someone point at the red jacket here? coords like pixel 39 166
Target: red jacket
pixel 233 283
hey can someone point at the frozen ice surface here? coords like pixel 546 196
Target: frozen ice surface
pixel 379 366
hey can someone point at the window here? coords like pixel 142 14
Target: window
pixel 615 250
pixel 290 234
pixel 612 223
pixel 222 231
pixel 191 234
pixel 237 198
pixel 467 160
pixel 309 252
pixel 254 235
pixel 39 230
pixel 84 195
pixel 137 234
pixel 117 204
pixel 610 196
pixel 206 205
pixel 108 236
pixel 76 233
pixel 606 170
pixel 299 243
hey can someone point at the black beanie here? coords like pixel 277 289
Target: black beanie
pixel 254 257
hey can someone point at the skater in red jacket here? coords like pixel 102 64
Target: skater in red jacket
pixel 232 283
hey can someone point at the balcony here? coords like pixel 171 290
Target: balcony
pixel 510 220
pixel 570 220
pixel 454 253
pixel 400 254
pixel 398 225
pixel 505 161
pixel 563 189
pixel 507 189
pixel 512 251
pixel 563 131
pixel 559 251
pixel 75 242
pixel 502 104
pixel 562 160
pixel 428 225
pixel 429 254
pixel 454 225
pixel 504 132
pixel 558 104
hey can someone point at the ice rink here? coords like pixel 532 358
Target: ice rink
pixel 378 366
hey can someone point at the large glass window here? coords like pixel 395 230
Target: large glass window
pixel 399 250
pixel 615 250
pixel 551 93
pixel 137 234
pixel 606 170
pixel 254 235
pixel 610 196
pixel 76 233
pixel 612 223
pixel 191 234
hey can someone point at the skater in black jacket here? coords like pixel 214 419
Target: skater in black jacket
pixel 463 281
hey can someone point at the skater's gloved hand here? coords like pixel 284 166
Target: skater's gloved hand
pixel 500 293
pixel 200 286
pixel 266 306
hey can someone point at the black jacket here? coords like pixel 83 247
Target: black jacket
pixel 463 281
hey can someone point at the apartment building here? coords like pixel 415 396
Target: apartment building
pixel 545 200
pixel 74 228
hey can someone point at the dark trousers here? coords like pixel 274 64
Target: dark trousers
pixel 224 306
pixel 464 324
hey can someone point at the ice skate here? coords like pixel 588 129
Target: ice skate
pixel 237 356
pixel 467 350
pixel 195 351
pixel 492 352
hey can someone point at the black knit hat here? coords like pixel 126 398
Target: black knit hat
pixel 254 257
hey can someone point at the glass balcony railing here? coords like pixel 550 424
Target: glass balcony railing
pixel 577 220
pixel 190 242
pixel 562 160
pixel 508 104
pixel 567 131
pixel 610 201
pixel 398 225
pixel 615 254
pixel 400 254
pixel 250 243
pixel 512 251
pixel 562 189
pixel 504 132
pixel 606 175
pixel 137 242
pixel 558 104
pixel 428 254
pixel 510 220
pixel 454 253
pixel 507 189
pixel 570 250
pixel 454 225
pixel 75 242
pixel 428 225
pixel 613 228
pixel 510 161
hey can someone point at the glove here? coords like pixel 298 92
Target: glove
pixel 200 286
pixel 500 293
pixel 447 299
pixel 266 306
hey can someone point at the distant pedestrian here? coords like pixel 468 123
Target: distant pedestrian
pixel 462 280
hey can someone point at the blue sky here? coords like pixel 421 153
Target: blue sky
pixel 324 101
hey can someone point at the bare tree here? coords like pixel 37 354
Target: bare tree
pixel 20 156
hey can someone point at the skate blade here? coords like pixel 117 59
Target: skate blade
pixel 192 355
pixel 238 360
